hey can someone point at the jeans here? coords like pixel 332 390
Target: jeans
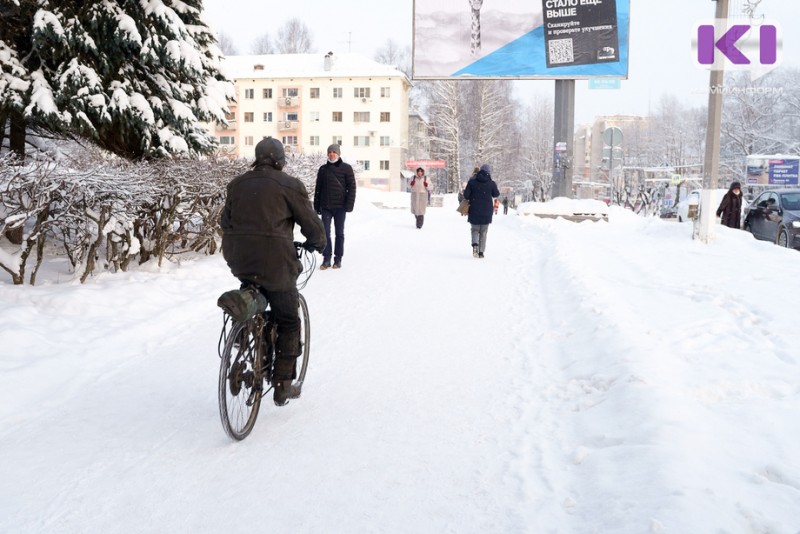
pixel 338 216
pixel 479 232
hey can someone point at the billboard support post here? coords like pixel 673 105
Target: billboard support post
pixel 711 162
pixel 563 134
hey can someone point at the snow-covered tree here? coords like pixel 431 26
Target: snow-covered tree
pixel 226 44
pixel 395 55
pixel 135 77
pixel 263 45
pixel 445 110
pixel 294 37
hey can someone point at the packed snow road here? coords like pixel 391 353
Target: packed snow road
pixel 593 377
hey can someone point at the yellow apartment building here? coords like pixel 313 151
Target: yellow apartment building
pixel 310 101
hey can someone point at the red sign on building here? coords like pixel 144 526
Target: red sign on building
pixel 425 163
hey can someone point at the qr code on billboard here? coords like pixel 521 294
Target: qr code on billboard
pixel 561 51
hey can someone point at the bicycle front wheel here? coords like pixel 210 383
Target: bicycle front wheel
pixel 305 340
pixel 240 382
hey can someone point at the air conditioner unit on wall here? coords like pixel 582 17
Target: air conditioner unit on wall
pixel 287 124
pixel 364 99
pixel 288 101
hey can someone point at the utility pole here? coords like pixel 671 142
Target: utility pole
pixel 563 134
pixel 704 228
pixel 716 80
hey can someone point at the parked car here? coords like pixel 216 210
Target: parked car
pixel 694 198
pixel 775 216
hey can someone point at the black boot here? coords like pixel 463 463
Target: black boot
pixel 283 391
pixel 287 349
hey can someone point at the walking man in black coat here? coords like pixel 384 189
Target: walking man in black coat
pixel 334 198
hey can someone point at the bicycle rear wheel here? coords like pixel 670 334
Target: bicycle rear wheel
pixel 305 340
pixel 240 381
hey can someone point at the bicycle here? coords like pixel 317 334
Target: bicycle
pixel 246 348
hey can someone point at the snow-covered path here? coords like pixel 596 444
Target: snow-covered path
pixel 582 378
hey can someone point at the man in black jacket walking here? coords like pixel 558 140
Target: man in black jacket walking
pixel 334 197
pixel 261 209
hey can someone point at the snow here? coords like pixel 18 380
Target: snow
pixel 584 377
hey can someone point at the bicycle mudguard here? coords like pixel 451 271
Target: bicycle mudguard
pixel 242 304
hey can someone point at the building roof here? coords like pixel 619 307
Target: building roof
pixel 305 66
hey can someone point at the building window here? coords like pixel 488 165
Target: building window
pixel 384 164
pixel 314 116
pixel 337 92
pixel 384 140
pixel 315 92
pixel 249 116
pixel 226 140
pixel 289 91
pixel 337 140
pixel 268 116
pixel 360 140
pixel 361 92
pixel 363 163
pixel 292 116
pixel 385 116
pixel 290 140
pixel 337 116
pixel 313 140
pixel 385 92
pixel 230 116
pixel 361 116
pixel 266 93
pixel 249 93
pixel 248 140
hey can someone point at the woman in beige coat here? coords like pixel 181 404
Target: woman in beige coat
pixel 419 196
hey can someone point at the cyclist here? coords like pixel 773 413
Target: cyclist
pixel 261 209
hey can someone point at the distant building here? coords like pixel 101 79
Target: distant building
pixel 310 101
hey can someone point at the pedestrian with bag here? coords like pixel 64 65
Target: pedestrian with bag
pixel 480 192
pixel 334 198
pixel 419 196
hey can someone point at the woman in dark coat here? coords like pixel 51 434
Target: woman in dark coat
pixel 480 191
pixel 730 209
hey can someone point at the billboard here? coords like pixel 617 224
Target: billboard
pixel 773 170
pixel 525 39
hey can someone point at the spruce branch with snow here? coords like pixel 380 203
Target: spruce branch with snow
pixel 138 78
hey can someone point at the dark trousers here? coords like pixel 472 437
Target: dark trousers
pixel 285 307
pixel 420 220
pixel 338 216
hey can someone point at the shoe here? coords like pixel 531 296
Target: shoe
pixel 474 251
pixel 337 264
pixel 480 254
pixel 325 265
pixel 283 391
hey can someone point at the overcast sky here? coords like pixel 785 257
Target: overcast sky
pixel 661 57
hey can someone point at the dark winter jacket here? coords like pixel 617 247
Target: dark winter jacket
pixel 336 187
pixel 730 209
pixel 479 192
pixel 258 221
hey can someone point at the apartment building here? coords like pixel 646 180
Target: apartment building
pixel 310 101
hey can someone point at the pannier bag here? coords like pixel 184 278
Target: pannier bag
pixel 242 304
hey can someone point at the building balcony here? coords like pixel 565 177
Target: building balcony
pixel 288 101
pixel 286 126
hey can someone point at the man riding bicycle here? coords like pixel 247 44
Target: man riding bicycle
pixel 261 209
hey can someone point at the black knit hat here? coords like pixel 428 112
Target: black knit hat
pixel 735 185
